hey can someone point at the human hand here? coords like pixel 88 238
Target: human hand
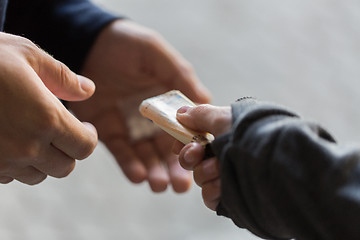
pixel 125 62
pixel 204 118
pixel 38 136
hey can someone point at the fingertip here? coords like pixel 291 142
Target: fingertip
pixel 182 114
pixel 91 127
pixel 136 178
pixel 91 142
pixel 36 180
pixel 183 110
pixel 203 95
pixel 197 118
pixel 135 172
pixel 195 90
pixel 158 188
pixel 212 205
pixel 182 153
pixel 6 180
pixel 182 181
pixel 158 182
pixel 180 178
pixel 191 155
pixel 128 161
pixel 87 85
pixel 69 170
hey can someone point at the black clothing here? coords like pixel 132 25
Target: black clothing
pixel 64 28
pixel 283 177
pixel 3 4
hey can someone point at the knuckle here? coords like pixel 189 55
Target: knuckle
pixel 64 74
pixel 25 43
pixel 201 109
pixel 47 120
pixel 30 151
pixel 31 51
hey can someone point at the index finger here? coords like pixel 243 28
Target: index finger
pixel 191 86
pixel 76 139
pixel 191 155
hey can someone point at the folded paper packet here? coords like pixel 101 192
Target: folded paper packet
pixel 162 110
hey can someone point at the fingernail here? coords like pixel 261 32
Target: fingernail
pixel 86 84
pixel 91 127
pixel 188 157
pixel 183 109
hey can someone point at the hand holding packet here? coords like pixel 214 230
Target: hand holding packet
pixel 162 110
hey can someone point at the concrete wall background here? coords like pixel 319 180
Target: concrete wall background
pixel 303 54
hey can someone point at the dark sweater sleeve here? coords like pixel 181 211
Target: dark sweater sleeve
pixel 3 4
pixel 64 28
pixel 283 177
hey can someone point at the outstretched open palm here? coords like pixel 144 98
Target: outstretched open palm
pixel 128 63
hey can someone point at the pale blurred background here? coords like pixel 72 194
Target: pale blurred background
pixel 303 54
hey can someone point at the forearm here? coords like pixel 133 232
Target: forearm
pixel 64 28
pixel 283 177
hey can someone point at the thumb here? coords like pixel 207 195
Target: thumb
pixel 61 81
pixel 191 86
pixel 206 118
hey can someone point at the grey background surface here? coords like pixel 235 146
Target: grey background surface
pixel 303 54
